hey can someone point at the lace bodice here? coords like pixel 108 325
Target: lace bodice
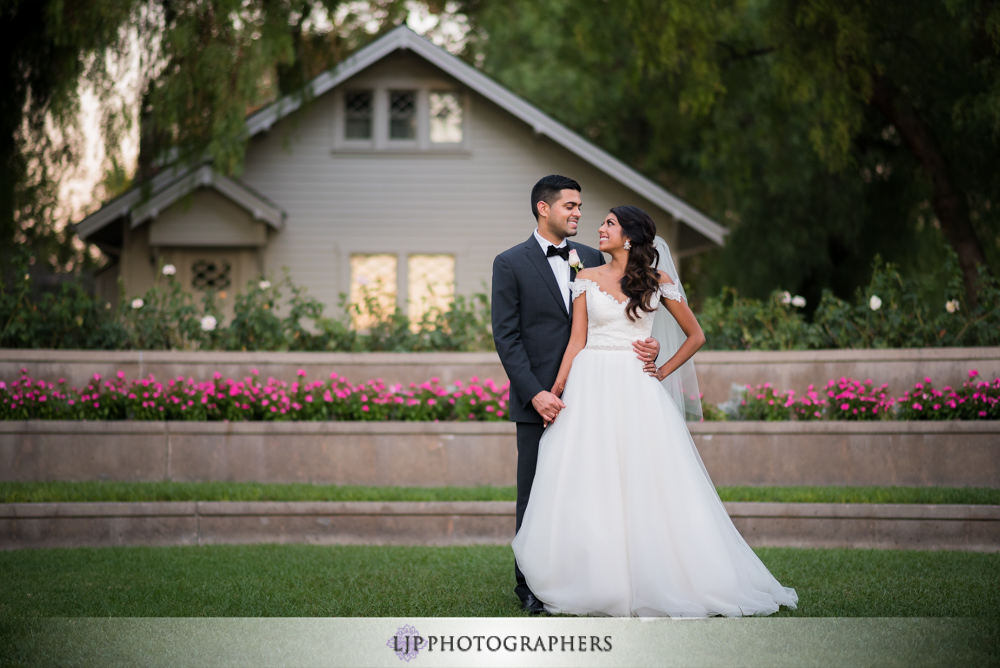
pixel 608 328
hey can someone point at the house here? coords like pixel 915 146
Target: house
pixel 405 173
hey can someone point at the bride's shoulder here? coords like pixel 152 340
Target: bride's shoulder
pixel 668 289
pixel 586 274
pixel 664 277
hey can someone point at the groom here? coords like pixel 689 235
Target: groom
pixel 532 314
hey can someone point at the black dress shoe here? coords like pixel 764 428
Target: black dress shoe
pixel 532 604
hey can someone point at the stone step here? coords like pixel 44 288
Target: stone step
pixel 802 525
pixel 947 454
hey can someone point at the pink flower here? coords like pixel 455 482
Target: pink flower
pixel 364 408
pixel 973 373
pixel 309 398
pixel 917 407
pixel 300 372
pixel 844 407
pixel 431 402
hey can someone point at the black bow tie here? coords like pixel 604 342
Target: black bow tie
pixel 561 252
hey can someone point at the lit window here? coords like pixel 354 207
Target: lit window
pixel 373 288
pixel 358 107
pixel 446 118
pixel 431 280
pixel 402 114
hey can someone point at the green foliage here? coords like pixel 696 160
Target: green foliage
pixel 761 114
pixel 732 322
pixel 890 312
pixel 68 317
pixel 167 317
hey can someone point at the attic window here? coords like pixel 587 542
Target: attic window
pixel 358 107
pixel 402 114
pixel 446 117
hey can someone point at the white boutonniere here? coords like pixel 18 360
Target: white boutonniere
pixel 574 260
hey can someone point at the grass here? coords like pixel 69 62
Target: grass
pixel 379 581
pixel 37 492
pixel 375 581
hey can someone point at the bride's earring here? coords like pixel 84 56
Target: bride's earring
pixel 627 245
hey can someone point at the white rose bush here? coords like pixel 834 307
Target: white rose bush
pixel 890 312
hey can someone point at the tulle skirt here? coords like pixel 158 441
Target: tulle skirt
pixel 623 519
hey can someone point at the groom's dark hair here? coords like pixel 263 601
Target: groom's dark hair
pixel 548 188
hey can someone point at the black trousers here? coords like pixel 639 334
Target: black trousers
pixel 528 436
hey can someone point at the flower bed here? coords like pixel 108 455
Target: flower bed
pixel 849 399
pixel 250 399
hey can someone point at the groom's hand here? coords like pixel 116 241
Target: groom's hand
pixel 548 406
pixel 647 351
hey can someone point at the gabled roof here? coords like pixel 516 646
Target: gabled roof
pixel 403 38
pixel 172 184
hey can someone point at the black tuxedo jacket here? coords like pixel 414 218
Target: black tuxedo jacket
pixel 531 326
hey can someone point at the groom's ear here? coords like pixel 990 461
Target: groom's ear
pixel 542 207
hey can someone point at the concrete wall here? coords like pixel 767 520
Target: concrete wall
pixel 717 370
pixel 957 454
pixel 809 525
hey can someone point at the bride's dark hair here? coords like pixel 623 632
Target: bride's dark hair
pixel 641 281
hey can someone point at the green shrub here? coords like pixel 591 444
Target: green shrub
pixel 888 313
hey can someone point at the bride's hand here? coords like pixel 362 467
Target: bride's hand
pixel 558 388
pixel 661 373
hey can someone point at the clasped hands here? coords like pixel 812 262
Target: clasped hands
pixel 548 404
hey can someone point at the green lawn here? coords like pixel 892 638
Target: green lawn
pixel 369 581
pixel 309 580
pixel 20 492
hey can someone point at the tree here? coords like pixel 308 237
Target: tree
pixel 203 67
pixel 45 50
pixel 821 132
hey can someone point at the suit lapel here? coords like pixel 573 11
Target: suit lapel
pixel 541 263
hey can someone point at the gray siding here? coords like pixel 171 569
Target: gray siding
pixel 473 204
pixel 206 218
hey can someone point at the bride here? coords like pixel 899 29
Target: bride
pixel 623 519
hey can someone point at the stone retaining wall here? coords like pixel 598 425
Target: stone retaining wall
pixel 956 454
pixel 717 370
pixel 813 525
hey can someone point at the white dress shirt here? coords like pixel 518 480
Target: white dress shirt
pixel 560 267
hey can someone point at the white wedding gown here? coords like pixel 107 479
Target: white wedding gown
pixel 623 519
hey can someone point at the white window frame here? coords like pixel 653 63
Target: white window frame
pixel 380 143
pixel 342 274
